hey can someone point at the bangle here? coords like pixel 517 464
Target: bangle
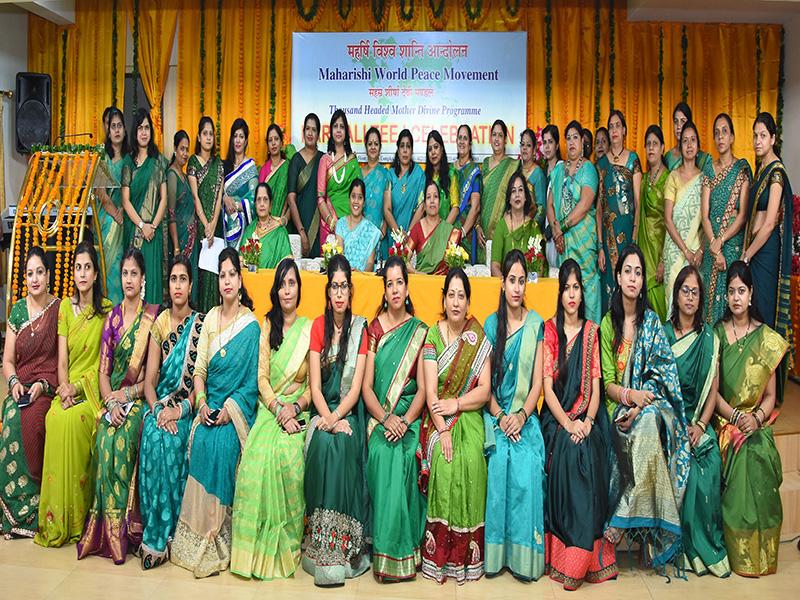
pixel 297 408
pixel 336 414
pixel 524 414
pixel 12 381
pixel 200 397
pixel 701 425
pixel 141 224
pixel 590 418
pixel 405 421
pixel 385 416
pixel 458 404
pixel 500 414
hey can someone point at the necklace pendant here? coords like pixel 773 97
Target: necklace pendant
pixel 223 352
pixel 403 188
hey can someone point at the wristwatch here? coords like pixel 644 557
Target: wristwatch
pixel 141 225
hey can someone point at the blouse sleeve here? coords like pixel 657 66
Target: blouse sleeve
pixel 265 391
pixel 362 347
pixel 107 346
pixel 550 347
pixel 607 358
pixel 126 176
pixel 498 243
pixel 596 358
pixel 776 177
pixel 636 167
pixel 671 187
pixel 429 349
pixel 63 317
pixel 589 178
pixel 317 335
pixel 322 176
pixel 294 171
pixel 191 167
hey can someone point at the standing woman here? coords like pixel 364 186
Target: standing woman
pixel 696 351
pixel 643 400
pixel 376 182
pixel 275 172
pixel 394 395
pixel 578 441
pixel 72 419
pixel 571 213
pixel 268 507
pixel 110 212
pixel 169 392
pixel 239 189
pixel 682 115
pixel 182 221
pixel 438 170
pixel 301 188
pixel 406 187
pixel 226 394
pixel 470 185
pixel 113 524
pixel 144 198
pixel 682 211
pixel 337 170
pixel 206 173
pixel 747 406
pixel 620 175
pixel 534 175
pixel 723 205
pixel 30 365
pixel 652 229
pixel 551 147
pixel 518 224
pixel 496 171
pixel 337 500
pixel 267 229
pixel 514 446
pixel 360 237
pixel 602 141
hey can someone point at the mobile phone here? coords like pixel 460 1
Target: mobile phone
pixel 24 400
pixel 213 415
pixel 621 417
pixel 302 423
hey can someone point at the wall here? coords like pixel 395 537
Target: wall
pixel 13 58
pixel 790 152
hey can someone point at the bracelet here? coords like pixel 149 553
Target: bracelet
pixel 758 420
pixel 297 408
pixel 524 414
pixel 701 425
pixel 763 414
pixel 405 421
pixel 500 414
pixel 12 381
pixel 200 397
pixel 141 224
pixel 590 418
pixel 336 414
pixel 385 416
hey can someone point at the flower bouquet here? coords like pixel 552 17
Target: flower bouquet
pixel 330 249
pixel 399 248
pixel 535 255
pixel 455 256
pixel 251 253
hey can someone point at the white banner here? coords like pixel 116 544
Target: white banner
pixel 411 80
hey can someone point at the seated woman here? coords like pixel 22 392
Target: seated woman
pixel 359 236
pixel 431 236
pixel 226 393
pixel 514 445
pixel 268 507
pixel 30 364
pixel 696 351
pixel 576 433
pixel 268 230
pixel 337 501
pixel 517 225
pixel 643 399
pixel 394 395
pixel 169 393
pixel 747 408
pixel 453 469
pixel 72 419
pixel 113 524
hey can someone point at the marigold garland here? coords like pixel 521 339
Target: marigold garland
pixel 345 15
pixel 660 75
pixel 218 128
pixel 272 67
pixel 62 126
pixel 378 9
pixel 548 58
pixel 779 109
pixel 684 62
pixel 309 17
pixel 135 66
pixel 596 64
pixel 510 12
pixel 114 43
pixel 612 57
pixel 202 57
pixel 758 70
pixel 436 15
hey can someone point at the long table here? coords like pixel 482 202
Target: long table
pixel 426 294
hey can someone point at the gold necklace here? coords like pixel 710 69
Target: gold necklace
pixel 653 175
pixel 616 157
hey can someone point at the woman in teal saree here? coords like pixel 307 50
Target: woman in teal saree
pixel 376 181
pixel 226 393
pixel 169 392
pixel 407 187
pixel 394 396
pixel 180 202
pixel 301 188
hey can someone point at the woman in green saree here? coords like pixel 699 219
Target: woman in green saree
pixel 30 365
pixel 169 393
pixel 144 198
pixel 182 221
pixel 470 184
pixel 431 236
pixel 226 393
pixel 682 212
pixel 747 407
pixel 496 170
pixel 301 188
pixel 571 214
pixel 275 171
pixel 110 213
pixel 439 171
pixel 206 173
pixel 394 395
pixel 72 419
pixel 241 178
pixel 113 525
pixel 681 115
pixel 723 205
pixel 518 226
pixel 337 501
pixel 268 507
pixel 268 230
pixel 696 351
pixel 453 468
pixel 652 230
pixel 407 189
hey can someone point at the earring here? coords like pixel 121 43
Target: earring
pixel 144 286
pixel 407 301
pixel 240 297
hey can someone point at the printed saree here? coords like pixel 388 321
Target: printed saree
pixel 240 185
pixel 650 237
pixel 504 240
pixel 209 179
pixel 302 181
pixel 360 242
pixel 431 249
pixel 470 181
pixel 111 233
pixel 685 198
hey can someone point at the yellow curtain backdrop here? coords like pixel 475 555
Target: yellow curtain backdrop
pixel 156 37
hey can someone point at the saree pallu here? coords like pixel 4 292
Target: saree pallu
pixel 277 180
pixel 66 473
pixel 431 250
pixel 619 211
pixel 650 238
pixel 515 532
pixel 398 517
pixel 751 466
pixel 651 469
pixel 454 528
pixel 113 524
pixel 537 184
pixel 162 460
pixel 696 356
pixel 771 265
pixel 360 243
pixel 228 362
pixel 209 179
pixel 376 183
pixel 22 439
pixel 493 199
pixel 275 245
pixel 407 191
pixel 723 206
pixel 580 240
pixel 144 183
pixel 333 187
pixel 302 181
pixel 686 215
pixel 182 214
pixel 335 545
pixel 268 506
pixel 240 185
pixel 504 240
pixel 469 182
pixel 111 234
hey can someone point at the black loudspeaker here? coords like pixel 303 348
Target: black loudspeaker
pixel 33 110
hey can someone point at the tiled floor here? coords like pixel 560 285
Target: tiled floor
pixel 29 572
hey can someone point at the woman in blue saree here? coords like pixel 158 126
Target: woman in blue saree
pixel 169 392
pixel 376 181
pixel 470 186
pixel 239 189
pixel 226 393
pixel 359 236
pixel 407 184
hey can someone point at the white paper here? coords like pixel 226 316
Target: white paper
pixel 126 408
pixel 209 257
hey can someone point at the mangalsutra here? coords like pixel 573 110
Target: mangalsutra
pixel 653 175
pixel 740 341
pixel 616 157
